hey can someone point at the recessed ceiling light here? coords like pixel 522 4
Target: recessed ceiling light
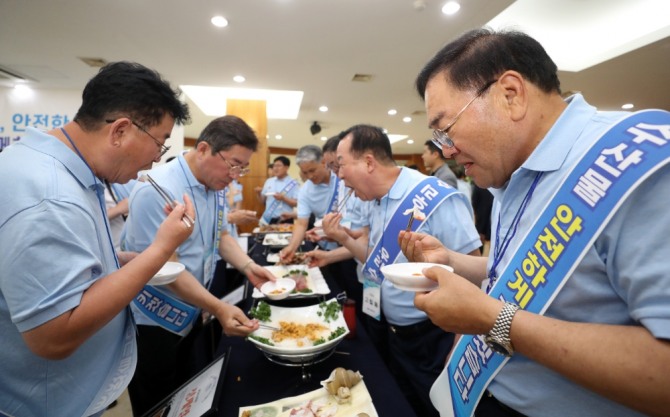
pixel 324 138
pixel 410 141
pixel 323 109
pixel 279 137
pixel 406 119
pixel 450 7
pixel 219 21
pixel 628 106
pixel 239 79
pixel 392 112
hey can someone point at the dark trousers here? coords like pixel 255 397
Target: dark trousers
pixel 163 364
pixel 415 356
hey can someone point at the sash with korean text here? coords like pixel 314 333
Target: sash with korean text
pixel 426 196
pixel 267 216
pixel 335 198
pixel 621 159
pixel 168 312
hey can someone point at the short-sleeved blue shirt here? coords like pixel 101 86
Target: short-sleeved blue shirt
pixel 452 223
pixel 146 215
pixel 276 185
pixel 623 279
pixel 315 199
pixel 54 245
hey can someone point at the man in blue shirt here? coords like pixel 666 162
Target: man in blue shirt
pixel 600 347
pixel 221 154
pixel 414 348
pixel 68 343
pixel 279 193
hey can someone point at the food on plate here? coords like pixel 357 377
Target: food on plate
pixel 329 311
pixel 300 278
pixel 261 312
pixel 302 333
pixel 340 382
pixel 418 214
pixel 276 228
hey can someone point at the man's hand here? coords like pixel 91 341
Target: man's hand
pixel 234 321
pixel 420 247
pixel 258 275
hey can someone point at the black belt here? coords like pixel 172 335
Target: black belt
pixel 412 330
pixel 489 406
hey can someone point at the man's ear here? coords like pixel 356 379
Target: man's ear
pixel 515 94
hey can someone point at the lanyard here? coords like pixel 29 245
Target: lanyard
pixel 98 194
pixel 500 248
pixel 195 203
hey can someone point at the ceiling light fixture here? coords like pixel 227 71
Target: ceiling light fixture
pixel 603 29
pixel 406 119
pixel 239 79
pixel 392 112
pixel 279 104
pixel 450 8
pixel 219 21
pixel 628 106
pixel 279 137
pixel 410 141
pixel 323 109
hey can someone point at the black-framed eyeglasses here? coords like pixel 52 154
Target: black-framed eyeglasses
pixel 441 136
pixel 235 170
pixel 162 148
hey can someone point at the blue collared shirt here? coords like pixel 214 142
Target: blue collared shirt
pixel 276 185
pixel 452 223
pixel 623 279
pixel 53 246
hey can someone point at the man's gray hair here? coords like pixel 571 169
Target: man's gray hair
pixel 308 153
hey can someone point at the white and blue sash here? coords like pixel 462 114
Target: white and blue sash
pixel 621 159
pixel 426 196
pixel 267 216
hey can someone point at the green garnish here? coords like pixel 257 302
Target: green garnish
pixel 320 341
pixel 263 340
pixel 329 311
pixel 337 333
pixel 261 312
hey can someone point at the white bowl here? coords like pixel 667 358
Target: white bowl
pixel 279 289
pixel 409 276
pixel 288 349
pixel 167 274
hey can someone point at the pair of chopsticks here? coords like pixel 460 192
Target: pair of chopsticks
pixel 267 326
pixel 188 221
pixel 344 201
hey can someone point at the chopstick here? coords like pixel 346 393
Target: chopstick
pixel 409 223
pixel 344 201
pixel 188 221
pixel 267 326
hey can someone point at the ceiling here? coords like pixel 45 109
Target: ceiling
pixel 316 46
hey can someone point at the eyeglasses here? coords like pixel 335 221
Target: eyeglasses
pixel 441 136
pixel 333 166
pixel 235 170
pixel 163 149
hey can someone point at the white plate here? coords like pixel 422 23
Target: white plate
pixel 409 276
pixel 167 274
pixel 315 280
pixel 277 239
pixel 273 258
pixel 319 399
pixel 289 348
pixel 283 285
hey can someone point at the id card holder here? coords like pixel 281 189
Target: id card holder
pixel 372 299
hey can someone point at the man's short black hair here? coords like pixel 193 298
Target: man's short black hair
pixel 284 160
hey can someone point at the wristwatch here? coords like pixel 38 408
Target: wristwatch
pixel 498 338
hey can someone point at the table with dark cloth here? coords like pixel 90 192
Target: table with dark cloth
pixel 252 379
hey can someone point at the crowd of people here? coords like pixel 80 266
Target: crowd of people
pixel 569 314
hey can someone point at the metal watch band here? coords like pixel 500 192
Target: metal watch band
pixel 501 328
